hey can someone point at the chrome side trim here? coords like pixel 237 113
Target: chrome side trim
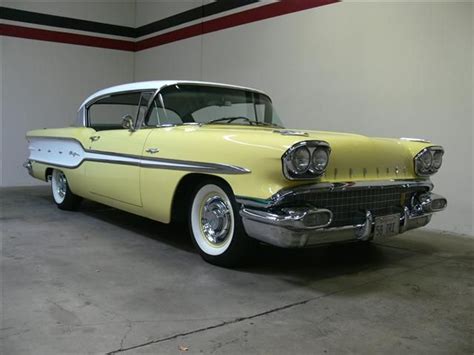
pixel 76 159
pixel 165 164
pixel 214 168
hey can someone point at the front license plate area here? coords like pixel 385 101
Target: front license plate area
pixel 386 226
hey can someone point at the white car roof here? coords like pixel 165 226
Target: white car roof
pixel 156 85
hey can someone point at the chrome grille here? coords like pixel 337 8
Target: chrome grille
pixel 349 206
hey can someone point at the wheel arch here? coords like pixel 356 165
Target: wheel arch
pixel 48 173
pixel 182 195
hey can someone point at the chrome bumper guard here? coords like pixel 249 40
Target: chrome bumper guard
pixel 28 166
pixel 301 227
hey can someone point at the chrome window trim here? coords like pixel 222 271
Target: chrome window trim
pixel 80 118
pixel 148 111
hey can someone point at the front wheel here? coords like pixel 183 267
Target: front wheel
pixel 62 194
pixel 216 227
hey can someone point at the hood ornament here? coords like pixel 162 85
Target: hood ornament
pixel 419 140
pixel 287 132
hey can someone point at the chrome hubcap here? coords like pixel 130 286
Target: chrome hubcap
pixel 61 185
pixel 215 220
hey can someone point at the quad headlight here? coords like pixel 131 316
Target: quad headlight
pixel 300 160
pixel 428 161
pixel 306 160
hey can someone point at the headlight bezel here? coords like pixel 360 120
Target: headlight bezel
pixel 310 172
pixel 419 167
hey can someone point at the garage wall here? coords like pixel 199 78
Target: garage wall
pixel 385 69
pixel 44 82
pixel 381 69
pixel 1 110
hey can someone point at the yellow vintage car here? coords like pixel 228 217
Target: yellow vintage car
pixel 218 157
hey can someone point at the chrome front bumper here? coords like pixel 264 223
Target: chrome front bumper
pixel 301 227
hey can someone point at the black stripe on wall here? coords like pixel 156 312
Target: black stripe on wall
pixel 191 15
pixel 7 13
pixel 117 30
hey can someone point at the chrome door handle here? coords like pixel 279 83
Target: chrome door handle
pixel 94 138
pixel 152 150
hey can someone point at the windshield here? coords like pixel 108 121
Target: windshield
pixel 187 103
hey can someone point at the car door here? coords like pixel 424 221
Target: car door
pixel 115 149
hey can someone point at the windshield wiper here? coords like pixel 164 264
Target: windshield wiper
pixel 231 119
pixel 251 122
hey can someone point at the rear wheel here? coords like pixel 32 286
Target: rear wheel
pixel 216 227
pixel 62 194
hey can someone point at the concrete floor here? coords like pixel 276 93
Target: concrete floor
pixel 104 281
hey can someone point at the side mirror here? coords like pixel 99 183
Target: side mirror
pixel 127 123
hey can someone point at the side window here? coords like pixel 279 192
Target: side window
pixel 108 113
pixel 160 116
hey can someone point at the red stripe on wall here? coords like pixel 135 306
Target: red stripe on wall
pixel 233 20
pixel 252 15
pixel 63 37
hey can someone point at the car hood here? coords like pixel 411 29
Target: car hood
pixel 353 156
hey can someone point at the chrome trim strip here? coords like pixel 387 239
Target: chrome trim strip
pixel 165 164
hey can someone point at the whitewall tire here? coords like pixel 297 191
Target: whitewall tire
pixel 215 225
pixel 62 194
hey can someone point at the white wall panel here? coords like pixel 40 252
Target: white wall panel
pixel 43 85
pixel 179 60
